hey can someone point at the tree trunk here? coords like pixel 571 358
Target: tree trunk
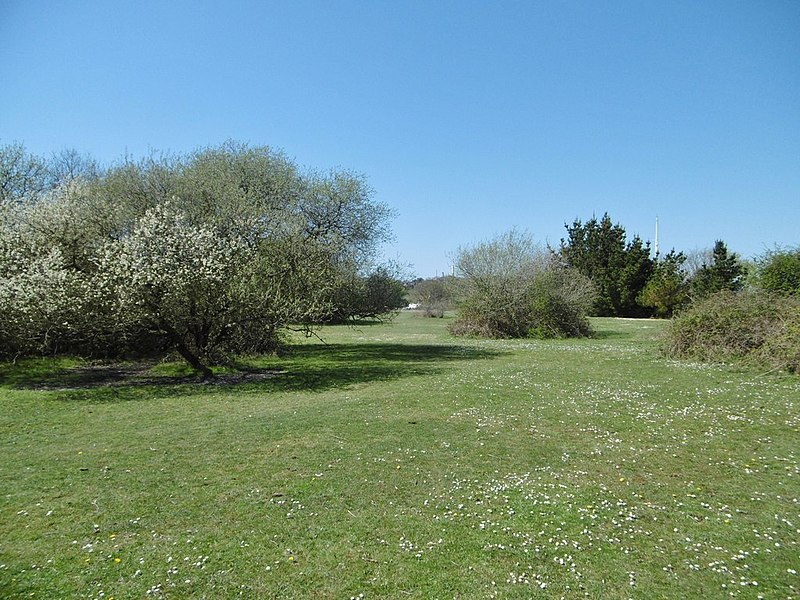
pixel 194 361
pixel 188 355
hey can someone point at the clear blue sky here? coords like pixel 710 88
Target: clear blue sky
pixel 469 118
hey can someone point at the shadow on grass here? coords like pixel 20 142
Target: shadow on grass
pixel 339 365
pixel 610 334
pixel 312 368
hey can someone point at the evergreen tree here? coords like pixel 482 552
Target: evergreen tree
pixel 725 272
pixel 667 290
pixel 619 269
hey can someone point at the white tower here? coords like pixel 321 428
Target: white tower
pixel 656 246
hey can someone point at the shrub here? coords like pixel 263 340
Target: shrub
pixel 377 296
pixel 559 301
pixel 667 289
pixel 724 272
pixel 779 271
pixel 513 289
pixel 751 327
pixel 436 295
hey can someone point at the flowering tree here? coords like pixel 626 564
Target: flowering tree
pixel 210 254
pixel 47 303
pixel 41 303
pixel 174 278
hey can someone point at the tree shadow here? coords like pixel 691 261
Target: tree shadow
pixel 301 368
pixel 609 334
pixel 322 367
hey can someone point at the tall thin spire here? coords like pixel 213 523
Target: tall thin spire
pixel 656 246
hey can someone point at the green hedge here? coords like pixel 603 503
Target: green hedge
pixel 752 327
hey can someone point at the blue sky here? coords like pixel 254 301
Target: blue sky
pixel 468 118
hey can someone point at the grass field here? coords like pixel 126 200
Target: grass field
pixel 397 462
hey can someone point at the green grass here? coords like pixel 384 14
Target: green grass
pixel 394 461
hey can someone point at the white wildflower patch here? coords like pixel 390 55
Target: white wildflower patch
pixel 565 516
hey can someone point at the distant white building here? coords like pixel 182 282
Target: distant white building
pixel 412 306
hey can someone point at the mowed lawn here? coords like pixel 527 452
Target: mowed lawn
pixel 394 461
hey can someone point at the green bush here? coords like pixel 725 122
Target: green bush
pixel 554 312
pixel 751 327
pixel 513 289
pixel 667 290
pixel 779 271
pixel 377 296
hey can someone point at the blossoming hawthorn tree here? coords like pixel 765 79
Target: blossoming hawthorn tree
pixel 38 300
pixel 209 255
pixel 174 278
pixel 49 300
pixel 209 294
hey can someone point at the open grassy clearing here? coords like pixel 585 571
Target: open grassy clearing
pixel 398 462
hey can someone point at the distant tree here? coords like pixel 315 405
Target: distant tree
pixel 724 272
pixel 619 269
pixel 695 259
pixel 378 296
pixel 667 290
pixel 23 176
pixel 70 165
pixel 779 271
pixel 512 288
pixel 435 295
pixel 385 294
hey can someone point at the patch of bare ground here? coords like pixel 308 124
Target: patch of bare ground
pixel 138 374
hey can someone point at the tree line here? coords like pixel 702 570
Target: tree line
pixel 630 282
pixel 510 287
pixel 219 251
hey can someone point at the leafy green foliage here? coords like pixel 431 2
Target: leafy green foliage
pixel 746 326
pixel 375 296
pixel 559 303
pixel 667 290
pixel 435 295
pixel 619 269
pixel 384 294
pixel 779 271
